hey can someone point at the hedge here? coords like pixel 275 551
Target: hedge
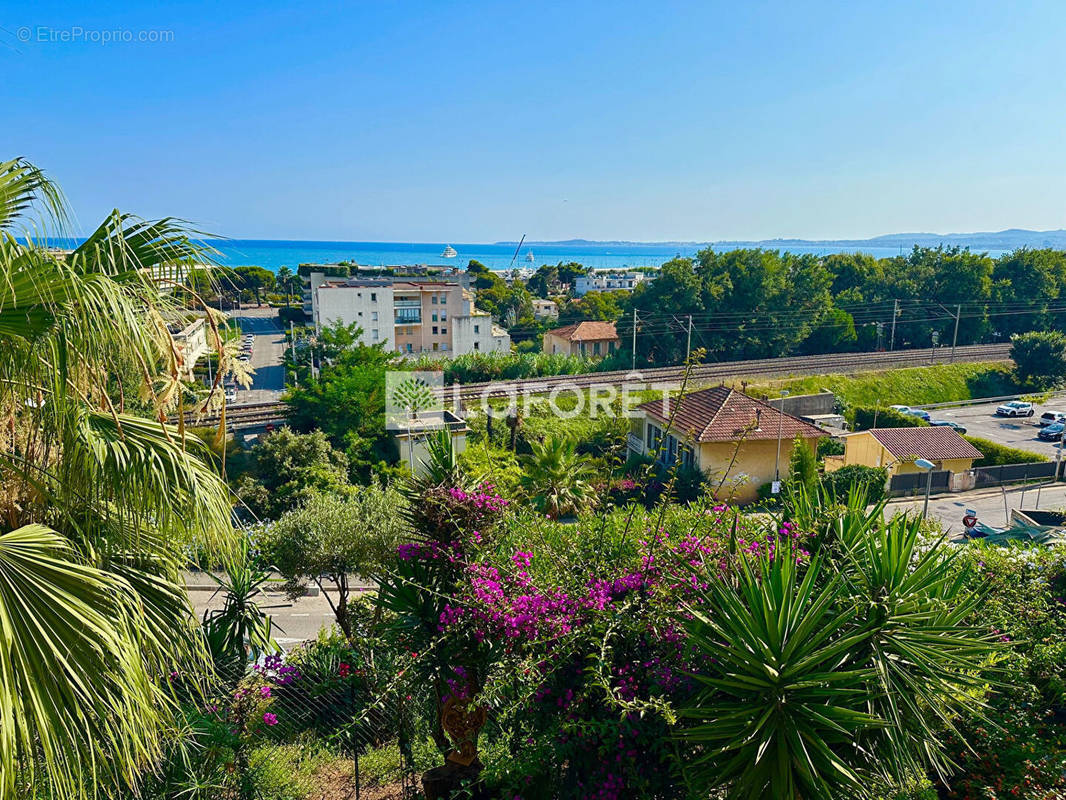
pixel 996 454
pixel 862 418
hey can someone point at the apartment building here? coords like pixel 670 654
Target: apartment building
pixel 414 317
pixel 608 281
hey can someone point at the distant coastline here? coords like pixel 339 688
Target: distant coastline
pixel 1008 239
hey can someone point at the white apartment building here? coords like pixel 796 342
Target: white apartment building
pixel 413 317
pixel 608 281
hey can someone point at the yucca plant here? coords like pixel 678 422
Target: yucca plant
pixel 97 506
pixel 833 678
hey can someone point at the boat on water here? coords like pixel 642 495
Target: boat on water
pixel 529 257
pixel 449 252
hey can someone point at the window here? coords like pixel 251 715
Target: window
pixel 477 345
pixel 443 331
pixel 596 349
pixel 373 297
pixel 409 347
pixel 434 330
pixel 443 315
pixel 434 300
pixel 434 316
pixel 373 316
pixel 434 345
pixel 374 334
pixel 477 329
pixel 654 435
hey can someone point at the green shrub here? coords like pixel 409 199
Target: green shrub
pixel 829 446
pixel 1039 358
pixel 870 480
pixel 294 314
pixel 995 453
pixel 862 418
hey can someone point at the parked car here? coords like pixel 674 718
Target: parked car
pixel 231 394
pixel 947 423
pixel 900 409
pixel 1015 408
pixel 1052 432
pixel 1051 417
pixel 917 412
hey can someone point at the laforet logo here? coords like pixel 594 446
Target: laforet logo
pixel 413 394
pixel 410 393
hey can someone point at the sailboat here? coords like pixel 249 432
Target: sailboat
pixel 529 257
pixel 449 252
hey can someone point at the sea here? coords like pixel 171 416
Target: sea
pixel 273 254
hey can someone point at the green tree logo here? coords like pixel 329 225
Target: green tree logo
pixel 413 394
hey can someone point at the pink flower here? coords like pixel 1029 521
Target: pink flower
pixel 270 719
pixel 264 691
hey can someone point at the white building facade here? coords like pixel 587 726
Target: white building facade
pixel 608 281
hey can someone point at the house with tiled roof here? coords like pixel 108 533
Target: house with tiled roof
pixel 588 338
pixel 897 449
pixel 739 442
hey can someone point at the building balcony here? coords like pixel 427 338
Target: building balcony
pixel 636 443
pixel 401 303
pixel 408 319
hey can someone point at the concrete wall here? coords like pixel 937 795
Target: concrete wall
pixel 806 405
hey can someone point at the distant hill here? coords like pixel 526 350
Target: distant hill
pixel 990 240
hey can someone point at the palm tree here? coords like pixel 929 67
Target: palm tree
pixel 97 506
pixel 287 282
pixel 556 479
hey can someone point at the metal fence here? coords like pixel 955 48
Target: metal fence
pixel 275 731
pixel 915 483
pixel 1013 473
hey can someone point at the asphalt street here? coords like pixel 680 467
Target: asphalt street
pixel 268 350
pixel 295 621
pixel 993 505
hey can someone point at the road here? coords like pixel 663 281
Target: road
pixel 295 621
pixel 268 351
pixel 1019 432
pixel 992 505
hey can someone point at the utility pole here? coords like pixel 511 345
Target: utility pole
pixel 955 338
pixel 688 344
pixel 634 340
pixel 895 313
pixel 780 419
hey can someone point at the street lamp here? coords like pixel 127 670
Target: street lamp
pixel 928 467
pixel 777 460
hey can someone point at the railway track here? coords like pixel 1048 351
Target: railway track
pixel 263 413
pixel 704 373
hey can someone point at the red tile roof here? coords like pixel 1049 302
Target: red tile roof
pixel 933 444
pixel 722 414
pixel 588 331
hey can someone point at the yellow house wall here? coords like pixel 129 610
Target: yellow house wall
pixel 754 459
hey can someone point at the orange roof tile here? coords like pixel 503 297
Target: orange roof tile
pixel 722 414
pixel 587 331
pixel 933 443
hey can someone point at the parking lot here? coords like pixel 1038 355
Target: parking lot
pixel 1019 432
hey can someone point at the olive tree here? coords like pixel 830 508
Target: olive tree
pixel 331 540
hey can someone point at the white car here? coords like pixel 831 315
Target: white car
pixel 1015 408
pixel 231 394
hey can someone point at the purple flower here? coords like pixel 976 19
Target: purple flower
pixel 270 719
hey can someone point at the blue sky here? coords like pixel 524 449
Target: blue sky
pixel 479 121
